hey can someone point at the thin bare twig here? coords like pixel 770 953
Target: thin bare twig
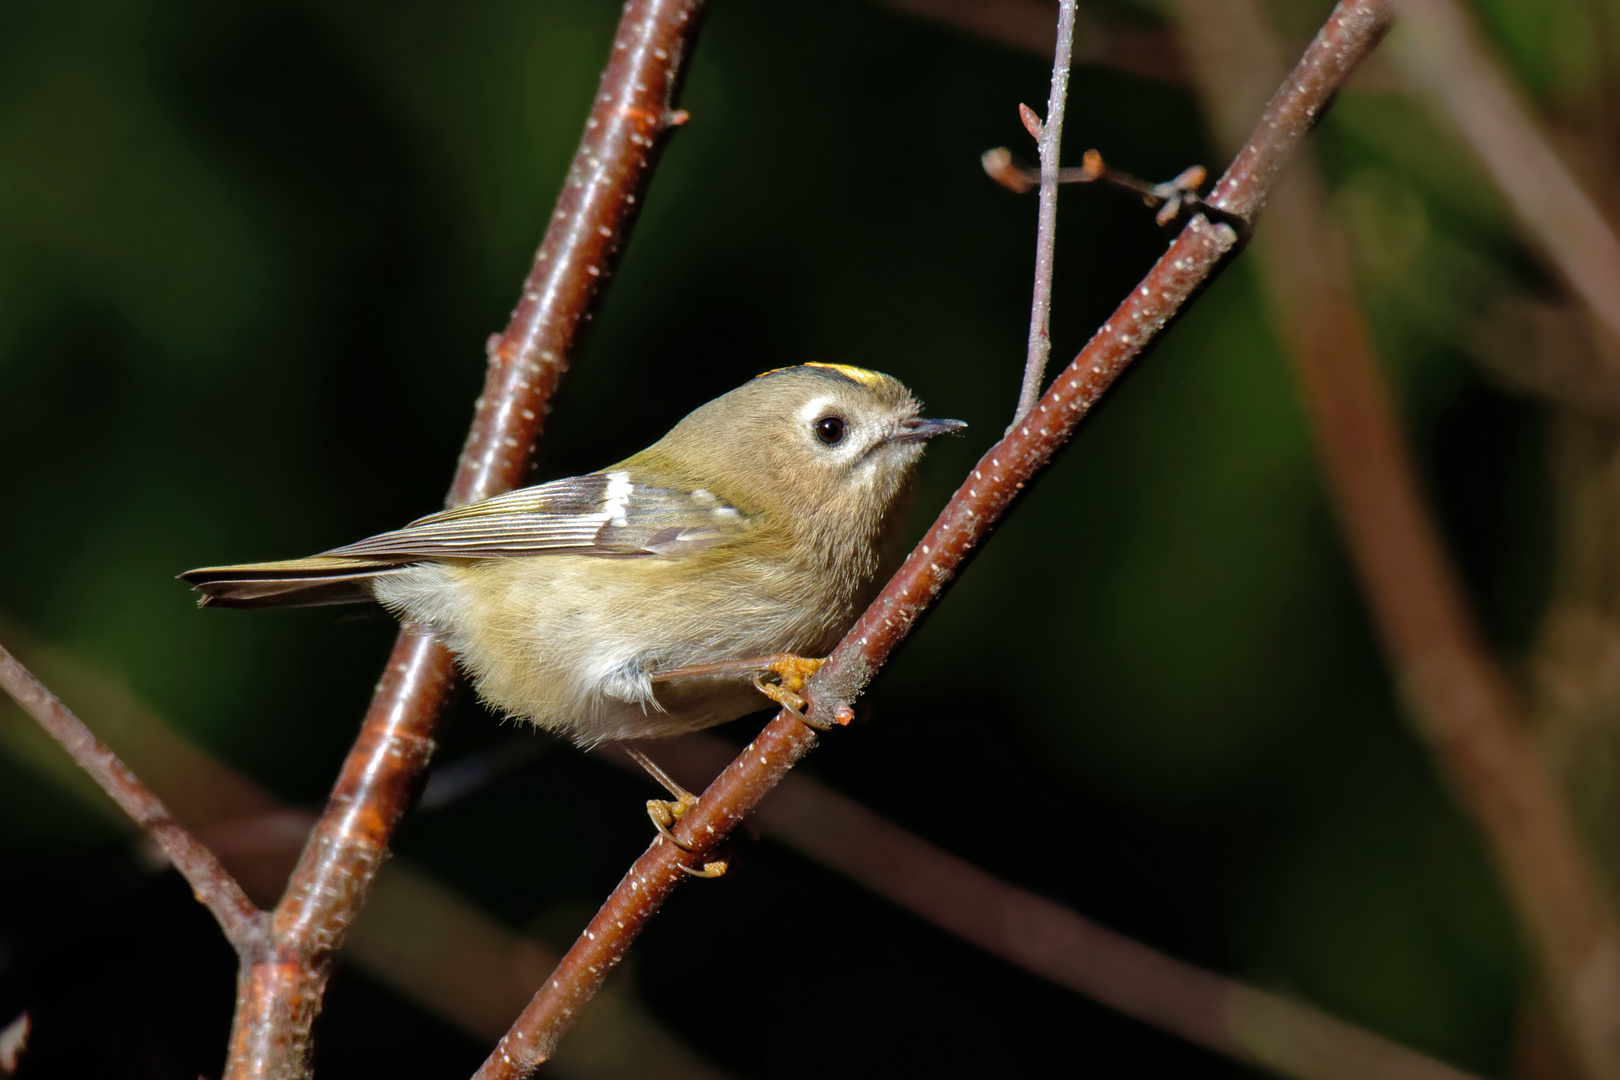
pixel 1173 197
pixel 1049 137
pixel 1462 703
pixel 1439 50
pixel 214 887
pixel 1051 941
pixel 277 1000
pixel 1352 30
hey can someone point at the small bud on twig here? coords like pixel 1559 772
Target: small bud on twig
pixel 998 166
pixel 1032 122
pixel 1171 197
pixel 1091 167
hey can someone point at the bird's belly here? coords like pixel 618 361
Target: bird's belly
pixel 568 642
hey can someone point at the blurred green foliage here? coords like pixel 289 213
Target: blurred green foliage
pixel 248 258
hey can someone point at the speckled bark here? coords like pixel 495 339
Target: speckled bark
pixel 279 996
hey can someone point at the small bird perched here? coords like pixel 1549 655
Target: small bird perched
pixel 637 601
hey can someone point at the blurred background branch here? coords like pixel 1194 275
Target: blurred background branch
pixel 1440 51
pixel 1463 705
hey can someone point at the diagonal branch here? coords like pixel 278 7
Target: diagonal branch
pixel 278 999
pixel 1354 27
pixel 244 924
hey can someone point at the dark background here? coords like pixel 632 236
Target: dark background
pixel 248 258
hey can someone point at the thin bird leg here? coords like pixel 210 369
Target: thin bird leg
pixel 791 672
pixel 665 812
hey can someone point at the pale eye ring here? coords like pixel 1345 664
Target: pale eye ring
pixel 830 430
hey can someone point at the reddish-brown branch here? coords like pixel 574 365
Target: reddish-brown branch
pixel 278 998
pixel 1462 702
pixel 213 885
pixel 1051 941
pixel 589 225
pixel 1353 28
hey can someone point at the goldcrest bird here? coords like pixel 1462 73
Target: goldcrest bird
pixel 637 601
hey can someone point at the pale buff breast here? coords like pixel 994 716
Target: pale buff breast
pixel 567 642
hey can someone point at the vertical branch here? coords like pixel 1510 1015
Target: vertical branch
pixel 1352 30
pixel 600 199
pixel 1463 705
pixel 1049 134
pixel 278 999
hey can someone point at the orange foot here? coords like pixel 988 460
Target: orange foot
pixel 791 673
pixel 666 812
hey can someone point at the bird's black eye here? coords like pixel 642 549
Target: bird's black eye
pixel 830 430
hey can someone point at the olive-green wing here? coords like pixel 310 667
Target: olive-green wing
pixel 601 514
pixel 597 514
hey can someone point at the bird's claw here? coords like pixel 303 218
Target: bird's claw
pixel 792 672
pixel 712 869
pixel 666 812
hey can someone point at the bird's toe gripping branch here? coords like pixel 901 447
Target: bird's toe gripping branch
pixel 791 674
pixel 666 812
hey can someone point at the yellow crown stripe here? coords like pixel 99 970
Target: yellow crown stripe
pixel 853 374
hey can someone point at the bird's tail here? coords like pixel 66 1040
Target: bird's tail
pixel 311 582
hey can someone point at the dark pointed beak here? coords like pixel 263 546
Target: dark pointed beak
pixel 918 429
